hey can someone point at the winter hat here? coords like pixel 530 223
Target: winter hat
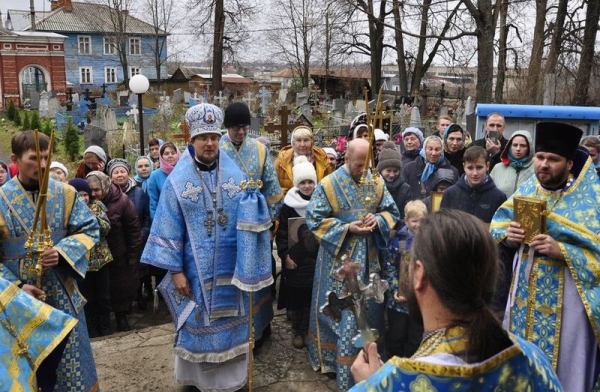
pixel 204 118
pixel 380 135
pixel 60 166
pixel 237 114
pixel 81 185
pixel 389 157
pixel 303 170
pixel 118 162
pixel 330 151
pixel 97 151
pixel 415 131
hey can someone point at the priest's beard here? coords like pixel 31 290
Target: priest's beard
pixel 414 312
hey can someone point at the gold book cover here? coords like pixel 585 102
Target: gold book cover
pixel 436 201
pixel 530 213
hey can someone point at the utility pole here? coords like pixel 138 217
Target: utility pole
pixel 32 14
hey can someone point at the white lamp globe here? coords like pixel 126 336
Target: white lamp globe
pixel 139 84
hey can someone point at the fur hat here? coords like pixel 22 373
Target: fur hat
pixel 204 118
pixel 237 114
pixel 330 151
pixel 118 162
pixel 380 135
pixel 415 131
pixel 389 157
pixel 303 170
pixel 557 138
pixel 60 166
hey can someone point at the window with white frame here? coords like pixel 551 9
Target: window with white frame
pixel 134 71
pixel 135 45
pixel 84 43
pixel 110 45
pixel 85 75
pixel 110 75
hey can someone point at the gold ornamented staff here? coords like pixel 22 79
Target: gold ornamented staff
pixel 39 241
pixel 369 185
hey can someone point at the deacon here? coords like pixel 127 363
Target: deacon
pixel 263 191
pixel 554 300
pixel 344 222
pixel 464 348
pixel 74 232
pixel 199 236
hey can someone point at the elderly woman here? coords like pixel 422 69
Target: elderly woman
pixel 516 164
pixel 412 138
pixel 4 173
pixel 94 158
pixel 168 156
pixel 419 173
pixel 592 144
pixel 143 170
pixel 303 143
pixel 124 241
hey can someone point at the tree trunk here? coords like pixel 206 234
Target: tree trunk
pixel 534 74
pixel 501 76
pixel 485 59
pixel 217 64
pixel 582 80
pixel 418 71
pixel 557 37
pixel 402 74
pixel 376 40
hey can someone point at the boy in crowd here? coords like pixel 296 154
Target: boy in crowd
pixel 404 333
pixel 389 168
pixel 475 192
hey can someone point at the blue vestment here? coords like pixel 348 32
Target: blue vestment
pixel 212 325
pixel 74 231
pixel 336 202
pixel 522 367
pixel 253 159
pixel 555 303
pixel 29 331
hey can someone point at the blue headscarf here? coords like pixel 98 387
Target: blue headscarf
pixel 430 168
pixel 5 166
pixel 139 179
pixel 456 128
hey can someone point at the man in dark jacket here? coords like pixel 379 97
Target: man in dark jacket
pixel 475 192
pixel 493 141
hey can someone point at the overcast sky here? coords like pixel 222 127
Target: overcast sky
pixel 40 5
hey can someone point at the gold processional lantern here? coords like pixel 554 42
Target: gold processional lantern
pixel 39 238
pixel 369 185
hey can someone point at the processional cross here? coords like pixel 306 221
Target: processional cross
pixel 355 297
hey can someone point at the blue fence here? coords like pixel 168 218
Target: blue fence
pixel 78 117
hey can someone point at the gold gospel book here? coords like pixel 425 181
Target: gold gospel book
pixel 530 213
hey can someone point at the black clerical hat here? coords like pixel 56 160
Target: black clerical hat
pixel 558 138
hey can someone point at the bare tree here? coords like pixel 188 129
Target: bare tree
pixel 584 71
pixel 535 77
pixel 161 12
pixel 501 75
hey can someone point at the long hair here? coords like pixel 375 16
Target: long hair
pixel 462 265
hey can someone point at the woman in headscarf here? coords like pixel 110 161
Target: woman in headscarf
pixel 143 170
pixel 303 143
pixel 418 173
pixel 94 158
pixel 412 138
pixel 454 146
pixel 120 174
pixel 169 155
pixel 592 144
pixel 124 241
pixel 4 173
pixel 516 164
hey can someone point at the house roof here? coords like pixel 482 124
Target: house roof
pixel 227 78
pixel 21 19
pixel 30 34
pixel 86 18
pixel 345 73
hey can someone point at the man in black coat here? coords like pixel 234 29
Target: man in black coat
pixel 493 141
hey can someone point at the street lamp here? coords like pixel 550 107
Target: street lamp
pixel 139 84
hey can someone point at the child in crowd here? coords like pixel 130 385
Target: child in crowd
pixel 389 168
pixel 58 171
pixel 298 261
pixel 95 286
pixel 442 180
pixel 475 192
pixel 404 333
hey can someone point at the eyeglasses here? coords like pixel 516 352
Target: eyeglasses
pixel 237 128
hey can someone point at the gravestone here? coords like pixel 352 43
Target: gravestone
pixel 255 124
pixel 94 135
pixel 360 106
pixel 34 98
pixel 186 96
pixel 53 107
pixel 43 104
pixel 177 96
pixel 220 100
pixel 264 95
pixel 339 105
pixel 133 113
pixel 249 100
pixel 301 98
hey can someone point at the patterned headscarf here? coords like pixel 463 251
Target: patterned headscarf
pixel 101 178
pixel 164 166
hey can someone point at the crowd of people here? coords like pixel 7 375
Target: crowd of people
pixel 470 301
